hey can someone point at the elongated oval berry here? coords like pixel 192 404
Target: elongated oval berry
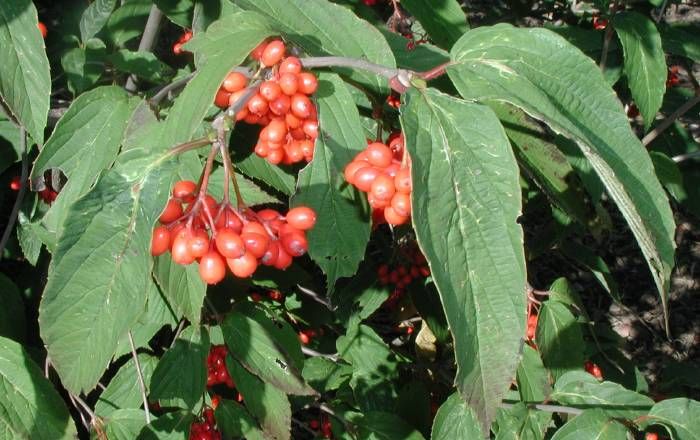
pixel 301 217
pixel 256 244
pixel 364 177
pixel 273 53
pixel 229 243
pixel 402 204
pixel 212 268
pixel 270 90
pixel 244 266
pixel 379 154
pixel 284 260
pixel 184 190
pixel 234 82
pixel 222 98
pixel 181 249
pixel 290 65
pixel 199 243
pixel 276 130
pixel 229 220
pixel 307 83
pixel 271 254
pixel 376 203
pixel 256 54
pixel 172 212
pixel 351 169
pixel 393 217
pixel 301 106
pixel 402 181
pixel 383 187
pixel 281 105
pixel 289 84
pixel 310 128
pixel 160 242
pixel 295 243
pixel 258 105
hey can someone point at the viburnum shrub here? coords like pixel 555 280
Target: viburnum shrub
pixel 302 219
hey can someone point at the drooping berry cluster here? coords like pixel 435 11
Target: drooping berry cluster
pixel 194 227
pixel 281 105
pixel 184 38
pixel 216 367
pixel 205 428
pixel 383 171
pixel 324 426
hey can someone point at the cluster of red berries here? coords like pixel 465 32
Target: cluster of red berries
pixel 184 38
pixel 274 295
pixel 324 426
pixel 205 428
pixel 384 172
pixel 672 79
pixel 593 369
pixel 414 266
pixel 281 105
pixel 531 327
pixel 216 367
pixel 48 194
pixel 599 23
pixel 241 240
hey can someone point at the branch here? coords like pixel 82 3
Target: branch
pixel 169 88
pixel 608 35
pixel 649 138
pixel 20 194
pixel 148 40
pixel 313 353
pixel 683 157
pixel 353 63
pixel 139 374
pixel 316 297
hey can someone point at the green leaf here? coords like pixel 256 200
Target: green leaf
pixel 95 17
pixel 427 302
pixel 84 66
pixel 538 71
pixel 182 287
pixel 670 175
pixel 445 21
pixel 559 339
pixel 267 403
pixel 338 240
pixel 124 391
pixel 543 162
pixel 84 143
pixel 142 64
pixel 177 11
pixel 421 58
pixel 12 321
pixel 681 39
pixel 264 350
pixel 169 426
pixel 580 389
pixel 31 407
pixel 466 200
pixel 307 24
pixel 225 45
pixel 234 421
pixel 101 269
pixel 252 193
pixel 562 291
pixel 681 417
pixel 645 62
pixel 591 424
pixel 325 375
pixel 379 425
pixel 127 22
pixel 587 258
pixel 188 354
pixel 124 424
pixel 454 419
pixel 25 81
pixel 532 377
pixel 521 423
pixel 359 298
pixel 258 168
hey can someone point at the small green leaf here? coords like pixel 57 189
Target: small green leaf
pixel 188 354
pixel 540 72
pixel 645 62
pixel 234 421
pixel 25 81
pixel 84 66
pixel 127 22
pixel 145 65
pixel 124 391
pixel 31 407
pixel 124 424
pixel 307 24
pixel 681 417
pixel 177 11
pixel 445 21
pixel 466 201
pixel 559 339
pixel 454 419
pixel 592 424
pixel 182 287
pixel 580 389
pixel 95 17
pixel 101 270
pixel 267 403
pixel 267 353
pixel 532 377
pixel 521 423
pixel 338 240
pixel 325 375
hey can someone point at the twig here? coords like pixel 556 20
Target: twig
pixel 148 39
pixel 139 374
pixel 653 134
pixel 191 145
pixel 20 194
pixel 303 426
pixel 608 35
pixel 313 353
pixel 547 408
pixel 354 63
pixel 316 297
pixel 683 157
pixel 178 330
pixel 662 11
pixel 80 413
pixel 169 88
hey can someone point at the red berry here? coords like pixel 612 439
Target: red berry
pixel 42 29
pixel 281 105
pixel 181 250
pixel 651 436
pixel 301 217
pixel 379 155
pixel 273 53
pixel 307 83
pixel 234 82
pixel 393 217
pixel 256 54
pixel 15 183
pixel 244 266
pixel 212 268
pixel 256 244
pixel 402 181
pixel 295 243
pixel 402 204
pixel 198 243
pixel 172 212
pixel 383 187
pixel 270 90
pixel 364 177
pixel 301 106
pixel 290 65
pixel 289 84
pixel 184 190
pixel 160 242
pixel 221 99
pixel 229 243
pixel 284 260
